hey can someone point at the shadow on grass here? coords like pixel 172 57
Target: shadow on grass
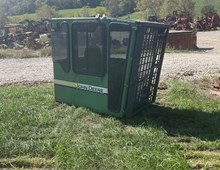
pixel 205 126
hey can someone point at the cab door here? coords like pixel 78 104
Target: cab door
pixel 89 64
pixel 119 42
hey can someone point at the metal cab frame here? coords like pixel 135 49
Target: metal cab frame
pixel 108 65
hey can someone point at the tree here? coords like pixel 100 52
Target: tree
pixel 168 7
pixel 85 12
pixel 127 6
pixel 100 10
pixel 3 19
pixel 90 3
pixel 149 7
pixel 28 6
pixel 161 8
pixel 112 7
pixel 187 6
pixel 119 7
pixel 47 12
pixel 208 9
pixel 40 3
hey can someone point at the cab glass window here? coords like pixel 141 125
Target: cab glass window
pixel 59 41
pixel 119 44
pixel 88 49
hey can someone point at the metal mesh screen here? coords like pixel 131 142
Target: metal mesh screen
pixel 150 65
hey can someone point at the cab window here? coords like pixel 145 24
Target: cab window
pixel 88 49
pixel 60 41
pixel 119 39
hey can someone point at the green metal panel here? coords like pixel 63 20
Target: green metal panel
pixel 83 90
pixel 93 91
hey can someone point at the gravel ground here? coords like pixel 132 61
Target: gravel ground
pixel 29 70
pixel 196 64
pixel 184 65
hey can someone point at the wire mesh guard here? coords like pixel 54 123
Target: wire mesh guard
pixel 153 48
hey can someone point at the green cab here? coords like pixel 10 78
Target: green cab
pixel 108 65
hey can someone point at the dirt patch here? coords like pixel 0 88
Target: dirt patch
pixel 215 93
pixel 216 83
pixel 207 86
pixel 216 87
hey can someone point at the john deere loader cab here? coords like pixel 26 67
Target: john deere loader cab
pixel 109 65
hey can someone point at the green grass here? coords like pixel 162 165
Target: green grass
pixel 134 15
pixel 185 97
pixel 190 113
pixel 69 12
pixel 25 53
pixel 191 117
pixel 108 143
pixel 76 12
pixel 37 132
pixel 62 13
pixel 18 18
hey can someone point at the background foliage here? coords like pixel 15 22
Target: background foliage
pixel 113 8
